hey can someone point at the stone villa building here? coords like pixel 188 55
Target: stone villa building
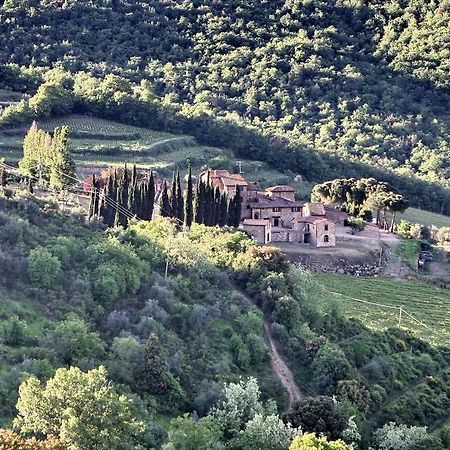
pixel 273 215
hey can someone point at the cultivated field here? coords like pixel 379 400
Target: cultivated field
pixel 426 308
pixel 99 143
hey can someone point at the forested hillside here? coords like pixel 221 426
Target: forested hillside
pixel 174 316
pixel 339 89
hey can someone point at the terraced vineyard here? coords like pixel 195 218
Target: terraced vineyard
pixel 101 143
pixel 426 308
pixel 106 128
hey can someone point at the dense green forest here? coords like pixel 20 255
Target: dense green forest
pixel 347 88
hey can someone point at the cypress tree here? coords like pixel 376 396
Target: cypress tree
pixel 155 375
pixel 121 198
pixel 96 190
pixel 237 207
pixel 151 192
pixel 231 211
pixel 217 205
pixel 91 212
pixel 138 200
pixel 165 202
pixel 223 216
pixel 173 197
pixel 208 205
pixel 132 191
pixel 124 195
pixel 107 211
pixel 200 203
pixel 188 203
pixel 180 200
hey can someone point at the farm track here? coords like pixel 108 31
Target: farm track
pixel 279 366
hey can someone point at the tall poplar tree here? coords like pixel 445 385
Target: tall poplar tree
pixel 62 167
pixel 29 159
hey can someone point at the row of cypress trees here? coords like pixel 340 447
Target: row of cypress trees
pixel 124 192
pixel 121 195
pixel 205 205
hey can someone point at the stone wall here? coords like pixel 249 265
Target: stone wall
pixel 258 232
pixel 285 235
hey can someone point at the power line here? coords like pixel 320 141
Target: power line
pixel 111 202
pixel 116 205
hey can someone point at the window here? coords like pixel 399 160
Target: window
pixel 326 238
pixel 256 215
pixel 307 227
pixel 276 209
pixel 276 221
pixel 295 209
pixel 326 227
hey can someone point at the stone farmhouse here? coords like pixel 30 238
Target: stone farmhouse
pixel 273 215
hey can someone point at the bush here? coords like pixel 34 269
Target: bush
pixel 318 415
pixel 43 268
pixel 357 224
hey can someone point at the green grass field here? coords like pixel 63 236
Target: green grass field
pixel 408 250
pixel 415 215
pixel 426 303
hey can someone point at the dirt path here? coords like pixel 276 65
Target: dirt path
pixel 279 367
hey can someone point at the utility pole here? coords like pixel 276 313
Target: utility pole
pixel 167 267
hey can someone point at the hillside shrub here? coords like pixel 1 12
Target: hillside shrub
pixel 43 268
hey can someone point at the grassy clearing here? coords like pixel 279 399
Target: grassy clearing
pixel 408 250
pixel 427 303
pixel 415 215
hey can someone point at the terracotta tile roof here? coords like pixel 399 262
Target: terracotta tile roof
pixel 316 209
pixel 262 201
pixel 233 181
pixel 256 222
pixel 280 188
